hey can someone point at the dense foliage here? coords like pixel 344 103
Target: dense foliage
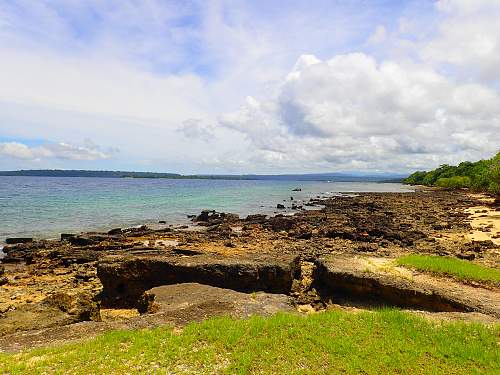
pixel 482 175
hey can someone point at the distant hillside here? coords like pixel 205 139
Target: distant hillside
pixel 482 175
pixel 84 173
pixel 338 177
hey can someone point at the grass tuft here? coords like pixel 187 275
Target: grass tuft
pixel 461 269
pixel 385 341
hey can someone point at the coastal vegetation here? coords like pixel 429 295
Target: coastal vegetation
pixel 482 175
pixel 384 341
pixel 458 268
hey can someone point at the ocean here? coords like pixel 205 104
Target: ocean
pixel 44 207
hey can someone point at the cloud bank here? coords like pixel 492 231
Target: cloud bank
pixel 61 150
pixel 249 87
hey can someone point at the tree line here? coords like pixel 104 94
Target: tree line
pixel 482 175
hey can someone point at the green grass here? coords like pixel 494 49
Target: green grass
pixel 386 341
pixel 461 269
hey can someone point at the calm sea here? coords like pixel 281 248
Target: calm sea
pixel 44 207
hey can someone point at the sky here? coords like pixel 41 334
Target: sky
pixel 260 86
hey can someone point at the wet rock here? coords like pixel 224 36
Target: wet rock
pixel 17 240
pixel 205 215
pixel 297 189
pixel 280 206
pixel 162 222
pixel 125 278
pixel 115 231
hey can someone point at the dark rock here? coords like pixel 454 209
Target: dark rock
pixel 280 223
pixel 466 256
pixel 256 219
pixel 18 240
pixel 126 277
pixel 67 236
pixel 162 222
pixel 280 206
pixel 205 214
pixel 297 189
pixel 4 280
pixel 115 231
pixel 87 239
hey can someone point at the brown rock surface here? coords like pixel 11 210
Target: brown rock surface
pixel 126 277
pixel 380 282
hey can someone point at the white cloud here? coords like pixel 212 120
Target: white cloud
pixel 350 111
pixel 372 86
pixel 61 150
pixel 468 38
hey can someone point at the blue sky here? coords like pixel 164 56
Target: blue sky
pixel 248 86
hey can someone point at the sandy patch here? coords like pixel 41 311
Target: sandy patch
pixel 485 222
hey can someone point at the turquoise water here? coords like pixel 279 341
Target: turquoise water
pixel 44 207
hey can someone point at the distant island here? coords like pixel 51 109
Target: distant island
pixel 337 177
pixel 482 175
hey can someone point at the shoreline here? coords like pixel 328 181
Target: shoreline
pixel 300 257
pixel 61 208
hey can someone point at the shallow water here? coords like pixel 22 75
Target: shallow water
pixel 44 207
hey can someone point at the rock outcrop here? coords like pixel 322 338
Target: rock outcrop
pixel 126 277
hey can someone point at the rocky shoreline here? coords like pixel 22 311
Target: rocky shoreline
pixel 338 256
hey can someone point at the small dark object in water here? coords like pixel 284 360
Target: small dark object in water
pixel 162 222
pixel 297 189
pixel 280 206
